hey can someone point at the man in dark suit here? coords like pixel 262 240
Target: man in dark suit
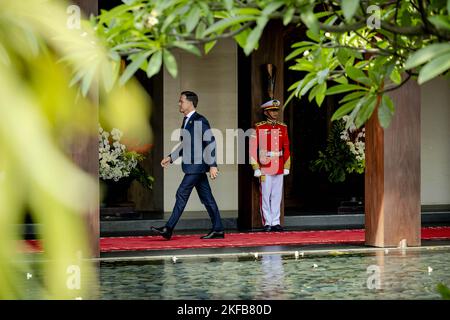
pixel 198 152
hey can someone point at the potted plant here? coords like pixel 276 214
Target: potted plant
pixel 345 151
pixel 119 167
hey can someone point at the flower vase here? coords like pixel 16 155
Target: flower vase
pixel 116 193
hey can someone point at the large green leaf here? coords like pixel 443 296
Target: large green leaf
pixel 228 4
pixel 366 111
pixel 178 12
pixel 341 79
pixel 296 52
pixel 188 47
pixel 131 69
pixel 308 86
pixel 154 65
pixel 320 93
pixel 272 7
pixel 340 88
pixel 303 65
pixel 302 44
pixel 110 72
pixel 322 75
pixel 288 16
pixel 357 75
pixel 241 38
pixel 193 18
pixel 201 27
pixel 395 76
pixel 342 55
pixel 255 34
pixel 344 109
pixel 131 44
pixel 349 7
pixel 353 95
pixel 426 54
pixel 440 21
pixel 170 63
pixel 247 11
pixel 310 20
pixel 106 16
pixel 87 81
pixel 209 46
pixel 220 25
pixel 434 68
pixel 385 111
pixel 312 93
pixel 294 85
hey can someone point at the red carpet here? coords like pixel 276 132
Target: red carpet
pixel 252 239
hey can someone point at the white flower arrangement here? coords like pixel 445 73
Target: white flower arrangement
pixel 344 153
pixel 356 145
pixel 115 162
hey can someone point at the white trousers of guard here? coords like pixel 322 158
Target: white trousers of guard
pixel 270 203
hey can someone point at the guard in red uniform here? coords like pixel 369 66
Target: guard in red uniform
pixel 270 159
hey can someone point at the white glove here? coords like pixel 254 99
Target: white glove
pixel 286 172
pixel 257 173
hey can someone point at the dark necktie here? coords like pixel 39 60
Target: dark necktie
pixel 182 127
pixel 184 122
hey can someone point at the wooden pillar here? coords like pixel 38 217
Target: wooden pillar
pixel 270 50
pixel 392 177
pixel 85 150
pixel 152 201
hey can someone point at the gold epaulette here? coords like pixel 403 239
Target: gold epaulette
pixel 260 123
pixel 282 123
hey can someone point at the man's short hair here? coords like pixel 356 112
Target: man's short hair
pixel 191 96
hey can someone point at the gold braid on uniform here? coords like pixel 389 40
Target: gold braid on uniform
pixel 287 164
pixel 253 161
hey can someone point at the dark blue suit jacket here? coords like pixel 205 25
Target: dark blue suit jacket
pixel 197 147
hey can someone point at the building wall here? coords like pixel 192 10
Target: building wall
pixel 214 78
pixel 435 145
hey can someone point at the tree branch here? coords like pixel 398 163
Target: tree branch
pixel 394 53
pixel 363 50
pixel 192 40
pixel 360 23
pixel 399 85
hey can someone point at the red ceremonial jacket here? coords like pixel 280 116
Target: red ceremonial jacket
pixel 269 147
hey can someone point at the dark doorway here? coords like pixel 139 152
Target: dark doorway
pixel 308 192
pixel 147 204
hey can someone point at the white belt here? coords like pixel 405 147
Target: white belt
pixel 274 153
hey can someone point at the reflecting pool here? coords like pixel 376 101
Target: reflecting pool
pixel 379 274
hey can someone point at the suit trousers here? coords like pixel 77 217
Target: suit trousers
pixel 200 182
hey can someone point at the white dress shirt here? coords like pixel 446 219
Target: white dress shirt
pixel 188 116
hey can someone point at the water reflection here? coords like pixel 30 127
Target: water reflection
pixel 272 285
pixel 377 275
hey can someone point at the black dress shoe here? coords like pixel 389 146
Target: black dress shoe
pixel 267 228
pixel 214 235
pixel 165 232
pixel 277 228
